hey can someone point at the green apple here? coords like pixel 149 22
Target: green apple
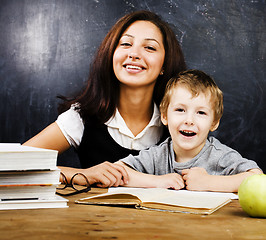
pixel 252 195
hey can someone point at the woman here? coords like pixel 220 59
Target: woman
pixel 117 114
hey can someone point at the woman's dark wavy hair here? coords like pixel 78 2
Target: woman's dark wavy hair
pixel 100 98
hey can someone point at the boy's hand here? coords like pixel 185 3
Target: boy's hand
pixel 171 180
pixel 196 179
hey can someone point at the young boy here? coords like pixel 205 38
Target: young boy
pixel 191 108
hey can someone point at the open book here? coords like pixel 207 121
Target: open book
pixel 162 199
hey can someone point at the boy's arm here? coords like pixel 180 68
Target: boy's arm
pixel 138 179
pixel 199 180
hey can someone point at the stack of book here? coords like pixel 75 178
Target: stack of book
pixel 28 178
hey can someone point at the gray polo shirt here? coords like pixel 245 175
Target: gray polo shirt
pixel 215 157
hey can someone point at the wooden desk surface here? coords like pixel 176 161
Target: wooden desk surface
pixel 101 222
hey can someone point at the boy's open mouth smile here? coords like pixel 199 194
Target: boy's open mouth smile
pixel 187 133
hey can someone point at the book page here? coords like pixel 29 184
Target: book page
pixel 144 194
pixel 185 199
pixel 139 190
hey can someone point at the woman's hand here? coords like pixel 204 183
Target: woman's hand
pixel 105 174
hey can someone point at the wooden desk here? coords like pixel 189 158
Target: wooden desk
pixel 99 222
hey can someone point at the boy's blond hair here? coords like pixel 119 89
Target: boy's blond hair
pixel 196 82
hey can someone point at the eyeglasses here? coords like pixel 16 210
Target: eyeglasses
pixel 76 189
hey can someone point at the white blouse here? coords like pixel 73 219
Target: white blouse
pixel 72 127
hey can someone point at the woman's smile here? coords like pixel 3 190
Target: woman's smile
pixel 133 68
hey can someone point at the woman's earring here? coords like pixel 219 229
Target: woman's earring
pixel 161 73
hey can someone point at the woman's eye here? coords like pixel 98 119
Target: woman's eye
pixel 126 44
pixel 179 110
pixel 150 48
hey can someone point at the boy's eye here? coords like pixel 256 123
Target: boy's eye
pixel 179 110
pixel 201 112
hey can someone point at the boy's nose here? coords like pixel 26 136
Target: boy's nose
pixel 189 121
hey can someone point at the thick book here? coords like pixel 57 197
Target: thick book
pixel 162 199
pixel 53 202
pixel 14 156
pixel 27 191
pixel 9 178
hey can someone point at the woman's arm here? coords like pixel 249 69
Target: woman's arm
pixel 50 138
pixel 138 179
pixel 198 179
pixel 105 174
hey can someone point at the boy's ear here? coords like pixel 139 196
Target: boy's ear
pixel 215 126
pixel 164 119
